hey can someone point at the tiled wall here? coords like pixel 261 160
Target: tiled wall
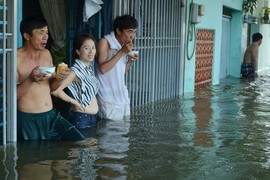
pixel 204 58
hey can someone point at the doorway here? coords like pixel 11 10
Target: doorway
pixel 225 47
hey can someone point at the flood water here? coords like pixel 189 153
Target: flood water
pixel 220 132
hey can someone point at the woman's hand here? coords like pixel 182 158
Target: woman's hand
pixel 76 104
pixel 63 74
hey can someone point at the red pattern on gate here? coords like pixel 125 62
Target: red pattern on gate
pixel 204 58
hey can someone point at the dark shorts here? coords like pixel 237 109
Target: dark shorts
pixel 83 120
pixel 247 70
pixel 46 126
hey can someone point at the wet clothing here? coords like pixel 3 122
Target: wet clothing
pixel 247 70
pixel 113 99
pixel 83 120
pixel 87 88
pixel 113 112
pixel 46 126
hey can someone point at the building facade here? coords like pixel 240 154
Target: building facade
pixel 184 45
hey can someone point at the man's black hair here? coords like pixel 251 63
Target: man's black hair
pixel 32 22
pixel 256 37
pixel 124 22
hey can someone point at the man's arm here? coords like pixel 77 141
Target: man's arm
pixel 22 87
pixel 254 58
pixel 34 77
pixel 106 64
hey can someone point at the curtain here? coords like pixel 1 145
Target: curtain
pixel 106 14
pixel 54 12
pixel 78 25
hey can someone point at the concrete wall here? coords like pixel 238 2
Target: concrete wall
pixel 213 20
pixel 234 4
pixel 264 50
pixel 237 44
pixel 19 19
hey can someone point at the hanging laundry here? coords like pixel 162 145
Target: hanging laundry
pixel 90 8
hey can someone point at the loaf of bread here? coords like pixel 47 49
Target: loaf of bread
pixel 61 67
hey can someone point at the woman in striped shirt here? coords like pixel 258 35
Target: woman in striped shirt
pixel 82 84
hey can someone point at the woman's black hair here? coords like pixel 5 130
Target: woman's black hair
pixel 78 42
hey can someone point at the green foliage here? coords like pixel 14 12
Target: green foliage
pixel 249 6
pixel 266 15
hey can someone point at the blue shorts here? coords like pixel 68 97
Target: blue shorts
pixel 247 70
pixel 83 120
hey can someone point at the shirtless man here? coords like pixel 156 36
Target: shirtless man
pixel 37 119
pixel 249 67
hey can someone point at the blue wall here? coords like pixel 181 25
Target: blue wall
pixel 19 19
pixel 213 20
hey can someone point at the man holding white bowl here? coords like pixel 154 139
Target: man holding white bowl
pixel 37 119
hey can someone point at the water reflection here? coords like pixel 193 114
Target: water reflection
pixel 48 160
pixel 39 159
pixel 44 170
pixel 203 112
pixel 9 157
pixel 255 112
pixel 113 144
pixel 220 132
pixel 156 143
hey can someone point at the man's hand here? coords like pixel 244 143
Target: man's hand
pixel 126 48
pixel 132 57
pixel 36 76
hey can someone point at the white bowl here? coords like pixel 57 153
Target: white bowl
pixel 133 53
pixel 47 70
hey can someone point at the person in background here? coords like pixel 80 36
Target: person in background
pixel 82 85
pixel 112 64
pixel 249 67
pixel 37 119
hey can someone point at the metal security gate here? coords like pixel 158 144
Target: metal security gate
pixel 158 73
pixel 8 51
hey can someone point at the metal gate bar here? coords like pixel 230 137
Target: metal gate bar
pixel 156 75
pixel 8 56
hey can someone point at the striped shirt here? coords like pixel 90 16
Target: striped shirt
pixel 87 88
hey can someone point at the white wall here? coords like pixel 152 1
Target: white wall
pixel 264 50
